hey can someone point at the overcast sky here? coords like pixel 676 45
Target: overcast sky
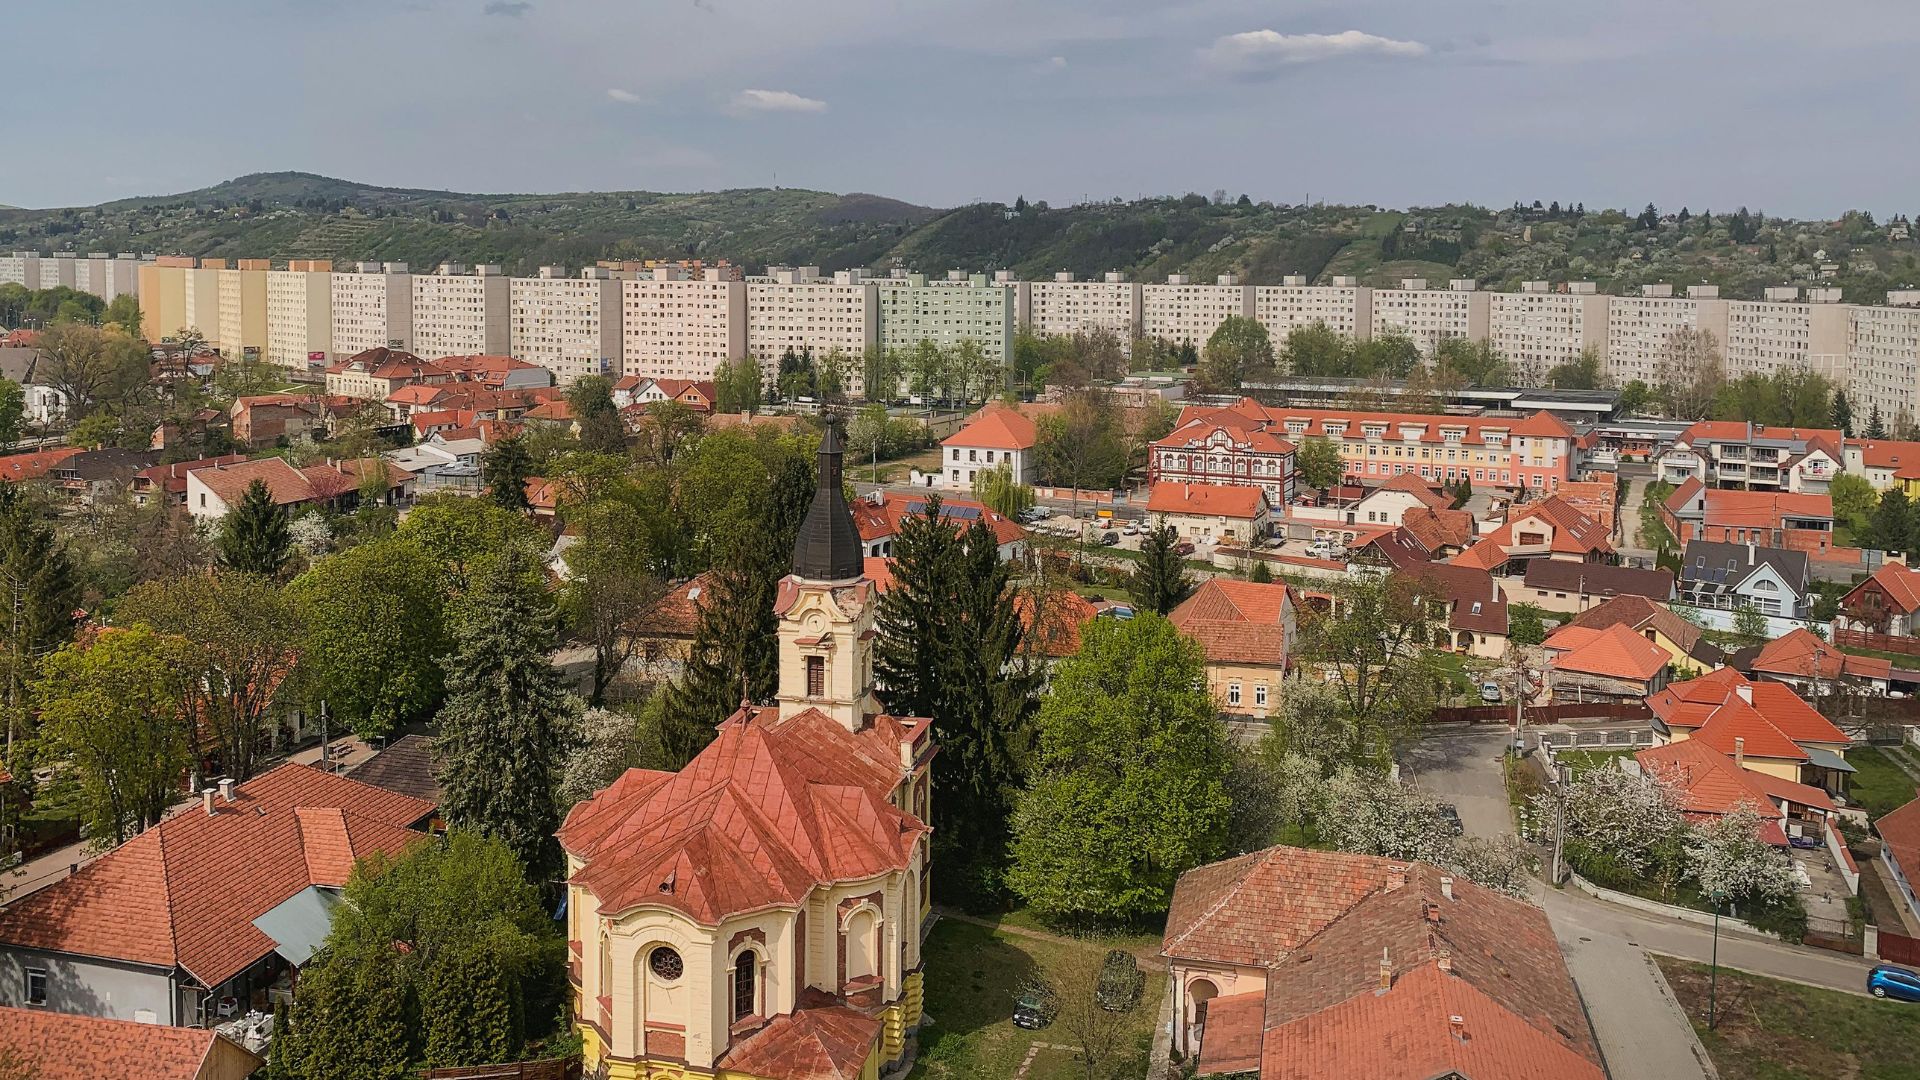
pixel 1796 108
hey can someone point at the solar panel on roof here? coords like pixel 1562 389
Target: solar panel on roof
pixel 965 513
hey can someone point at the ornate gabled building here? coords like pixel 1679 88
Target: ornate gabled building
pixel 759 913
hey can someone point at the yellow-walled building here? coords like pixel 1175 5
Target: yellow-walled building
pixel 163 296
pixel 1763 726
pixel 761 909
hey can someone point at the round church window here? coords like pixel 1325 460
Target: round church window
pixel 666 964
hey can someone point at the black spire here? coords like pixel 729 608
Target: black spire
pixel 828 547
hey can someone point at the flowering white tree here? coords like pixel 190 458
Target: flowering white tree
pixel 1613 815
pixel 1366 812
pixel 601 745
pixel 1733 864
pixel 1504 865
pixel 311 534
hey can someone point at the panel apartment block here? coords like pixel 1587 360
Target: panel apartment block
pixel 243 307
pixel 677 325
pixel 20 268
pixel 163 296
pixel 456 313
pixel 201 299
pixel 56 270
pixel 1345 307
pixel 964 307
pixel 795 308
pixel 1883 359
pixel 1427 316
pixel 1539 328
pixel 372 308
pixel 107 276
pixel 1181 312
pixel 300 314
pixel 1784 330
pixel 570 326
pixel 1641 329
pixel 1065 306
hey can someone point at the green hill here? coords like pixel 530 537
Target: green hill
pixel 303 215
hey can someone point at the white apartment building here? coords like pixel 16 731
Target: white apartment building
pixel 674 325
pixel 1430 316
pixel 964 307
pixel 1539 328
pixel 570 326
pixel 795 308
pixel 1784 330
pixel 1883 359
pixel 1065 306
pixel 20 268
pixel 300 314
pixel 1181 312
pixel 243 307
pixel 57 270
pixel 1640 329
pixel 200 286
pixel 456 313
pixel 107 276
pixel 1345 307
pixel 372 308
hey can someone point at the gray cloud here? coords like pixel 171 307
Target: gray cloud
pixel 511 9
pixel 785 101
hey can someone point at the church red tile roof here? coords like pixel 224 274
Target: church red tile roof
pixel 186 891
pixel 819 1040
pixel 64 1046
pixel 770 809
pixel 1328 925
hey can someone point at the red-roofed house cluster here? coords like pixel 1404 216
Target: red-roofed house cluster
pixel 1297 964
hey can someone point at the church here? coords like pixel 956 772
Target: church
pixel 759 913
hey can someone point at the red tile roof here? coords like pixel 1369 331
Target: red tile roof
pixel 1419 489
pixel 1638 613
pixel 1707 781
pixel 997 428
pixel 1900 829
pixel 1236 621
pixel 1197 430
pixel 416 394
pixel 677 613
pixel 1573 533
pixel 877 521
pixel 819 1040
pixel 1800 651
pixel 1615 652
pixel 173 478
pixel 769 810
pixel 1427 428
pixel 1240 501
pixel 1901 585
pixel 187 890
pixel 1236 1026
pixel 1684 494
pixel 1251 910
pixel 229 483
pixel 1762 509
pixel 1727 694
pixel 32 466
pixel 1438 528
pixel 1543 424
pixel 1594 498
pixel 1887 453
pixel 1475 601
pixel 64 1046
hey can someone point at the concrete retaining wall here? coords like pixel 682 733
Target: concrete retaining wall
pixel 1655 907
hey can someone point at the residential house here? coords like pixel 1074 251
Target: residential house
pixel 416 398
pixel 667 626
pixel 407 766
pixel 1224 447
pixel 1386 550
pixel 42 402
pixel 34 464
pixel 1444 533
pixel 1742 455
pixel 375 374
pixel 64 1046
pixel 1391 502
pixel 1803 661
pixel 215 489
pixel 1798 522
pixel 495 372
pixel 1728 577
pixel 1687 648
pixel 1571 587
pixel 94 474
pixel 441 464
pixel 1710 784
pixel 1469 609
pixel 1053 628
pixel 1613 663
pixel 208 913
pixel 1246 629
pixel 759 913
pixel 1763 726
pixel 995 436
pixel 1598 499
pixel 696 394
pixel 1290 964
pixel 1885 603
pixel 1549 529
pixel 557 413
pixel 1211 513
pixel 1900 850
pixel 877 517
pixel 276 419
pixel 166 485
pixel 1885 463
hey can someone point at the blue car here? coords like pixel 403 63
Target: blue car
pixel 1887 981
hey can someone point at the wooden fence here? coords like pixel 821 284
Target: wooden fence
pixel 1566 712
pixel 1863 639
pixel 551 1069
pixel 1899 949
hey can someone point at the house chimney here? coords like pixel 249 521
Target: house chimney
pixel 206 800
pixel 1446 886
pixel 1444 961
pixel 1457 1027
pixel 1431 911
pixel 1386 971
pixel 1396 876
pixel 226 789
pixel 1740 750
pixel 1745 690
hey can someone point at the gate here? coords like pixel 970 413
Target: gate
pixel 1899 949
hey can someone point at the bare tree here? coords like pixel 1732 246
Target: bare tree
pixel 91 366
pixel 1691 372
pixel 1103 1036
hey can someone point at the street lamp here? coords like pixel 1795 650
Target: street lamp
pixel 1713 967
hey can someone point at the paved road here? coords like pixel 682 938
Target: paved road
pixel 1464 769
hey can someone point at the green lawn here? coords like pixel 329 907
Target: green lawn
pixel 974 974
pixel 1877 784
pixel 1772 1030
pixel 1581 761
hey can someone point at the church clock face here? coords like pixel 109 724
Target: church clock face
pixel 816 622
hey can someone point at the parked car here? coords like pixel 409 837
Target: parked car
pixel 1120 981
pixel 1803 841
pixel 1887 981
pixel 1319 549
pixel 1490 693
pixel 1035 1008
pixel 1452 816
pixel 1118 611
pixel 1130 529
pixel 1184 547
pixel 1109 539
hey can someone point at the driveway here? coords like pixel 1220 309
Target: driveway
pixel 1463 769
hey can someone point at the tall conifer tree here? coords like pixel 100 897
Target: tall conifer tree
pixel 254 536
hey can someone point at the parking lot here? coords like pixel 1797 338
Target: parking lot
pixel 1127 534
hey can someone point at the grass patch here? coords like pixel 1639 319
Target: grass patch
pixel 974 974
pixel 1877 784
pixel 1584 761
pixel 1774 1030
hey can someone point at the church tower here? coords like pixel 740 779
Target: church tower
pixel 827 608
